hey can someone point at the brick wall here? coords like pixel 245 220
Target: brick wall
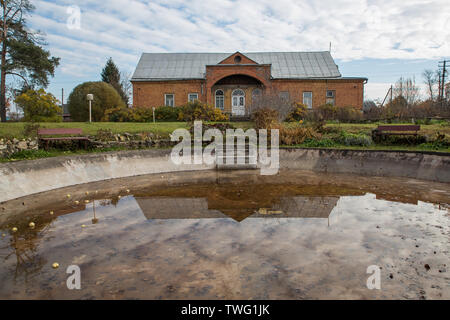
pixel 151 94
pixel 349 92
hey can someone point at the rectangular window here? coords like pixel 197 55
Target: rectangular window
pixel 169 100
pixel 284 95
pixel 192 97
pixel 219 101
pixel 307 99
pixel 331 97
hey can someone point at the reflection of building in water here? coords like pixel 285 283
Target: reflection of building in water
pixel 300 207
pixel 177 208
pixel 199 208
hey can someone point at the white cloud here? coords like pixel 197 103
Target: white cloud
pixel 123 29
pixel 379 90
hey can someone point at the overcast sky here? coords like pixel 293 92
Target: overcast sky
pixel 380 39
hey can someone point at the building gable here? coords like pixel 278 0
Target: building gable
pixel 237 58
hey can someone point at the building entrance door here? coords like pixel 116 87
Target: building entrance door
pixel 238 103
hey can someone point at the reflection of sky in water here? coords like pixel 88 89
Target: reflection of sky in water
pixel 126 255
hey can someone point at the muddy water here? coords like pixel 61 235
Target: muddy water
pixel 298 235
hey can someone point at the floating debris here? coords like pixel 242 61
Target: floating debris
pixel 427 267
pixel 266 211
pixel 55 265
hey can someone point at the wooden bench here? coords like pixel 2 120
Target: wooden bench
pixel 62 134
pixel 395 130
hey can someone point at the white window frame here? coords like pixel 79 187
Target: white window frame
pixel 240 97
pixel 331 97
pixel 223 99
pixel 173 99
pixel 309 106
pixel 192 94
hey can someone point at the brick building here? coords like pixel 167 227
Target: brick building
pixel 232 82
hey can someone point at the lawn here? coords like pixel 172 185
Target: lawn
pixel 16 130
pixel 366 128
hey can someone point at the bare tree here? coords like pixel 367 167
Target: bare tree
pixel 407 89
pixel 431 80
pixel 126 85
pixel 283 105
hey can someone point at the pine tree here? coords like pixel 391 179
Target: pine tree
pixel 111 74
pixel 21 53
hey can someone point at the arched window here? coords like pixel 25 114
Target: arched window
pixel 220 98
pixel 238 98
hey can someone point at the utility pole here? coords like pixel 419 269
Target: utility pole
pixel 443 70
pixel 62 102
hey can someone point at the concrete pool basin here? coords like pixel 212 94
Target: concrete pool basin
pixel 139 227
pixel 28 177
pixel 230 235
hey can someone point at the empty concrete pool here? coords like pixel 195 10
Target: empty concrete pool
pixel 229 235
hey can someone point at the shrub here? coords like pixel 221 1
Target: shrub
pixel 167 113
pixel 31 129
pixel 200 111
pixel 265 118
pixel 299 113
pixel 206 126
pixel 348 114
pixel 119 114
pixel 39 106
pixel 296 135
pixel 401 140
pixel 439 141
pixel 326 112
pixel 105 97
pixel 319 143
pixel 350 139
pixel 141 114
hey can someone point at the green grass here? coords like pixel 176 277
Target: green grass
pixel 366 128
pixel 15 129
pixel 9 130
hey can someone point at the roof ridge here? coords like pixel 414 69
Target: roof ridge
pixel 243 52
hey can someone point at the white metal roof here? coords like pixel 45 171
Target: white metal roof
pixel 285 65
